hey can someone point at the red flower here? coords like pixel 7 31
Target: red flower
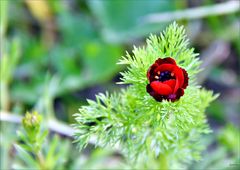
pixel 166 80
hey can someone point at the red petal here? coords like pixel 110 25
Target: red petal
pixel 179 78
pixel 180 92
pixel 174 97
pixel 171 83
pixel 165 67
pixel 161 88
pixel 156 96
pixel 167 60
pixel 150 71
pixel 185 74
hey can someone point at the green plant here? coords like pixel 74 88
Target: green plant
pixel 35 151
pixel 139 126
pixel 32 139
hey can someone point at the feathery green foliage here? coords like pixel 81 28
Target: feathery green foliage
pixel 134 122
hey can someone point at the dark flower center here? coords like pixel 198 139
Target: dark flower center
pixel 164 76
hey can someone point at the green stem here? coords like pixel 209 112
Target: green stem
pixel 41 160
pixel 163 162
pixel 5 99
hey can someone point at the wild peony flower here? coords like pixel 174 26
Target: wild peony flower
pixel 166 80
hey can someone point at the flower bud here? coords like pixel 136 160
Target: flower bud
pixel 31 122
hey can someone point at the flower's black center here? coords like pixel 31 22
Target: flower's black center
pixel 164 76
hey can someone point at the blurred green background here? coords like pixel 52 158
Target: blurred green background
pixel 55 54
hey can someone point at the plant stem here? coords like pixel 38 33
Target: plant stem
pixel 163 162
pixel 41 160
pixel 5 101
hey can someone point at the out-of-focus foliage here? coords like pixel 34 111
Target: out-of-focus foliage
pixel 229 137
pixel 80 58
pixel 34 152
pixel 55 54
pixel 115 28
pixel 224 154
